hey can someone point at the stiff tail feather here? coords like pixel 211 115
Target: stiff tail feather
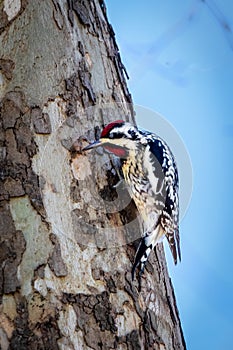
pixel 141 257
pixel 145 247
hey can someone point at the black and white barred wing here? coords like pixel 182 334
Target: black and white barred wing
pixel 166 171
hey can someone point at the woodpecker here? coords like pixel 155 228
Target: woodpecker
pixel 151 175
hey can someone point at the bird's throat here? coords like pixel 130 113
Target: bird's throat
pixel 119 151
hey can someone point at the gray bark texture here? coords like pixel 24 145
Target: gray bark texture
pixel 66 243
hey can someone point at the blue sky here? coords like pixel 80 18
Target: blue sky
pixel 179 56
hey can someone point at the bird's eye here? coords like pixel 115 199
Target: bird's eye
pixel 115 135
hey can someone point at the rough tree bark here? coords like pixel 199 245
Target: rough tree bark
pixel 65 267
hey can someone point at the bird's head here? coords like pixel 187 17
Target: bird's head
pixel 117 137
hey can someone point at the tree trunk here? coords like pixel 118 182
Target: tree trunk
pixel 65 263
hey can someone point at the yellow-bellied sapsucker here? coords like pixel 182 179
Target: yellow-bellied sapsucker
pixel 150 171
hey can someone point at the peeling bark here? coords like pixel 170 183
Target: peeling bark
pixel 66 234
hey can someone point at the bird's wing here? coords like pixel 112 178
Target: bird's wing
pixel 165 169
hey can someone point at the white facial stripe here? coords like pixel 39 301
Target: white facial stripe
pixel 123 142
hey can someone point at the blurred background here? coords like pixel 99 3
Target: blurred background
pixel 179 56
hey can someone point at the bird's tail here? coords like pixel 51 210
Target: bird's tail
pixel 146 245
pixel 141 257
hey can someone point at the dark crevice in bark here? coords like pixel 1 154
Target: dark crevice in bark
pixel 55 261
pixel 12 247
pixel 17 176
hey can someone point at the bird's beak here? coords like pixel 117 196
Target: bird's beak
pixel 92 145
